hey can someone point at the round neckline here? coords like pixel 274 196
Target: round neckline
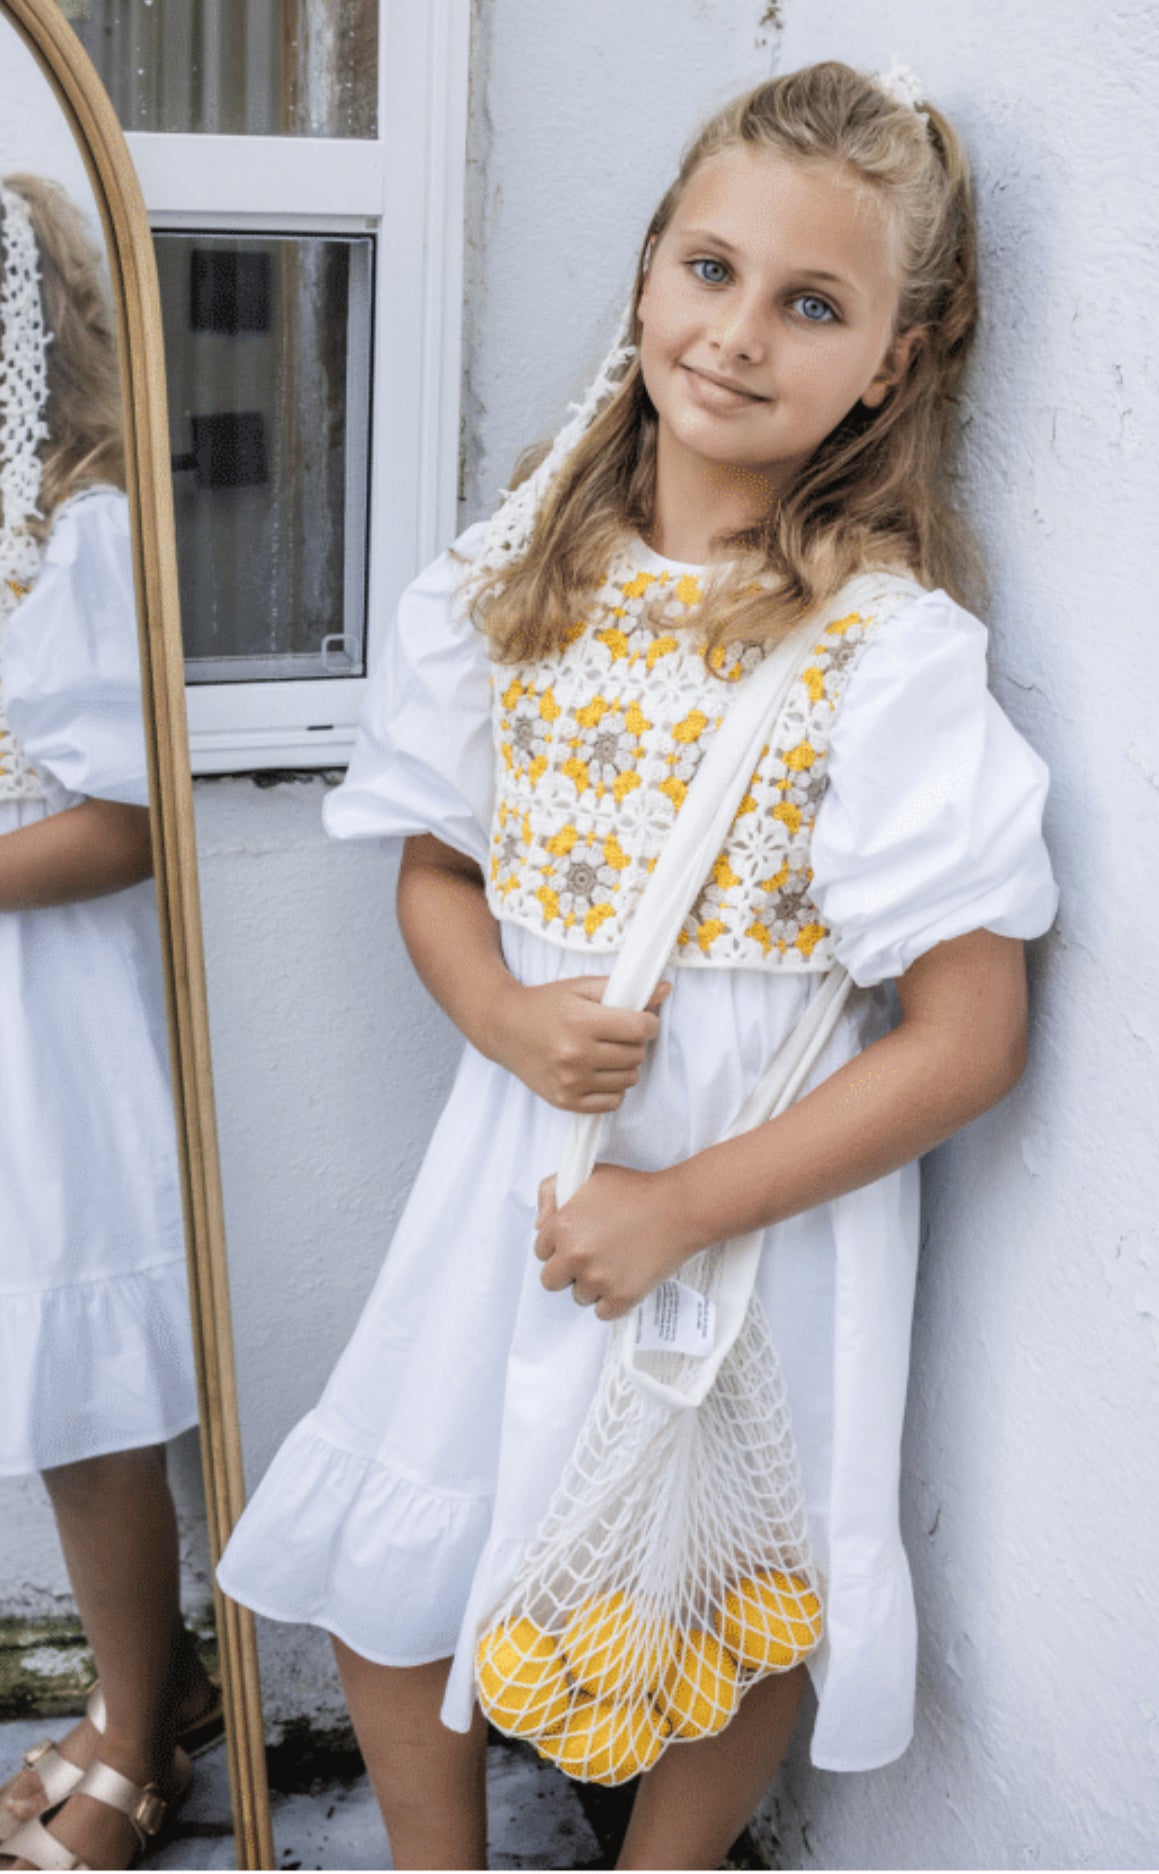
pixel 640 548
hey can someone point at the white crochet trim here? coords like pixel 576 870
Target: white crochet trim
pixel 23 397
pixel 510 527
pixel 902 84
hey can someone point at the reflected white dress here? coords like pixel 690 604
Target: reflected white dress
pixel 456 1403
pixel 95 1347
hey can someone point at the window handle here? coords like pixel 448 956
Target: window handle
pixel 338 654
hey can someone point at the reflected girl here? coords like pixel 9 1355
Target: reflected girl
pixel 96 1364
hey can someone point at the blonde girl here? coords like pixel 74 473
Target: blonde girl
pixel 802 308
pixel 96 1367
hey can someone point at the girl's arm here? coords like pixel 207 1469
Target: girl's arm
pixel 958 1049
pixel 557 1037
pixel 86 851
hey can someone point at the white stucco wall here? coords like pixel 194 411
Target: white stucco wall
pixel 1029 1504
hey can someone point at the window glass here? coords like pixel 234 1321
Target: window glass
pixel 298 68
pixel 267 344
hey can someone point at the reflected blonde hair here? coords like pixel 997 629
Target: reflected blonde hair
pixel 83 413
pixel 871 494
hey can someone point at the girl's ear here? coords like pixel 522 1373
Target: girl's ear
pixel 648 252
pixel 894 366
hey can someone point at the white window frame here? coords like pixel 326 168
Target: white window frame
pixel 406 187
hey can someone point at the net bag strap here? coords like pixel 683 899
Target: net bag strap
pixel 740 1258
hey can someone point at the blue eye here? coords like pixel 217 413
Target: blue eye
pixel 815 310
pixel 720 279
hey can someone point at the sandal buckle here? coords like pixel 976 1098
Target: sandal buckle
pixel 150 1812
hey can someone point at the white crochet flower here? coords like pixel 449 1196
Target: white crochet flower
pixel 584 885
pixel 609 747
pixel 902 84
pixel 526 729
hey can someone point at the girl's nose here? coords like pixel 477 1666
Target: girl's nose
pixel 740 332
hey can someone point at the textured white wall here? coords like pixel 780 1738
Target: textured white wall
pixel 1030 1509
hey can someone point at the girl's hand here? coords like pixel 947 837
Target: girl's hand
pixel 620 1236
pixel 566 1046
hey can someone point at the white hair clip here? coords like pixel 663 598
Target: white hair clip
pixel 902 84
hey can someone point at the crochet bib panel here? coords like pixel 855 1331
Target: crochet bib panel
pixel 597 745
pixel 18 778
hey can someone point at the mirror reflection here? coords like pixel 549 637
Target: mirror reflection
pixel 97 1372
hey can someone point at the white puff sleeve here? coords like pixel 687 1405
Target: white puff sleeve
pixel 931 825
pixel 422 759
pixel 72 669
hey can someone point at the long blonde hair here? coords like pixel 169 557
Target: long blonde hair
pixel 871 494
pixel 84 414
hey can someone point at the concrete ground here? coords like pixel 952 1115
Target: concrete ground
pixel 325 1816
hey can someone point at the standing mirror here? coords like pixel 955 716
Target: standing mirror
pixel 115 1324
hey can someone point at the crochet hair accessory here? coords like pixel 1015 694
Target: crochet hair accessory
pixel 902 84
pixel 509 531
pixel 23 398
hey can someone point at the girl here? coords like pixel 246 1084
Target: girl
pixel 803 304
pixel 97 1364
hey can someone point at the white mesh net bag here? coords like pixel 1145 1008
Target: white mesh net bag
pixel 672 1567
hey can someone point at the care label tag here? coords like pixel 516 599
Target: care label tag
pixel 676 1319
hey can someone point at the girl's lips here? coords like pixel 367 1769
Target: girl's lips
pixel 718 396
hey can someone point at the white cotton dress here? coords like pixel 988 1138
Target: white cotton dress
pixel 95 1346
pixel 395 1507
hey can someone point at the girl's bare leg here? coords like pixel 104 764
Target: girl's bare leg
pixel 118 1531
pixel 690 1809
pixel 430 1782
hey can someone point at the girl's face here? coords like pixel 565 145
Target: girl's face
pixel 767 312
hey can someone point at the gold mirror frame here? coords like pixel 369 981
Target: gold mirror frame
pixel 133 274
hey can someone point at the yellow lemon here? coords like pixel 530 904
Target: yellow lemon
pixel 606 1743
pixel 522 1684
pixel 612 1648
pixel 770 1620
pixel 699 1693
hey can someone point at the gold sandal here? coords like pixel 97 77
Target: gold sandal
pixel 148 1810
pixel 58 1776
pixel 207 1727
